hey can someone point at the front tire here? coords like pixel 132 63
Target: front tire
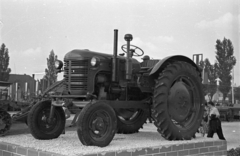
pixel 178 101
pixel 5 122
pixel 39 125
pixel 96 125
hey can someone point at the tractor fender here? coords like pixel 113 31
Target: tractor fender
pixel 164 62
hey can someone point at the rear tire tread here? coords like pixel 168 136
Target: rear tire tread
pixel 7 120
pixel 160 100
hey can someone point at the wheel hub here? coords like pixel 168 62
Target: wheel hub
pixel 98 124
pixel 179 102
pixel 45 123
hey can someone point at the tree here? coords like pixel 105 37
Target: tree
pixel 209 68
pixel 209 88
pixel 4 62
pixel 50 72
pixel 224 64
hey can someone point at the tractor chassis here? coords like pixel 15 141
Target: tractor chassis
pixel 144 105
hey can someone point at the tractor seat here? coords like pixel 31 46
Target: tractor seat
pixel 147 64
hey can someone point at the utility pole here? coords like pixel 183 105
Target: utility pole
pixel 233 101
pixel 197 58
pixel 218 81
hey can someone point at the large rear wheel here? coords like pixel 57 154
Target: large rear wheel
pixel 130 120
pixel 96 125
pixel 178 101
pixel 5 122
pixel 39 124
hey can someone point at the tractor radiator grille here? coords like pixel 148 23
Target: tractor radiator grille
pixel 75 75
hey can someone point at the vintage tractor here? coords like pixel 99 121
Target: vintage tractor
pixel 117 94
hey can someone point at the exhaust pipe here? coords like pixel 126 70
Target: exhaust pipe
pixel 114 60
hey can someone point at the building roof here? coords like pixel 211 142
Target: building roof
pixel 217 96
pixel 20 78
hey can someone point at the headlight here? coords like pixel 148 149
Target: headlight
pixel 58 64
pixel 95 61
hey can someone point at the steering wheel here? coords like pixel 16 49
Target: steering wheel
pixel 133 49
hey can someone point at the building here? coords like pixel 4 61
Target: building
pixel 22 87
pixel 4 87
pixel 218 96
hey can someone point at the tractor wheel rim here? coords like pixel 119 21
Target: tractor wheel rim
pixel 180 100
pixel 99 123
pixel 43 121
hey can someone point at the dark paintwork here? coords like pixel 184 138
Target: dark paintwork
pixel 106 67
pixel 105 64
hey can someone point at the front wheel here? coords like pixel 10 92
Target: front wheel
pixel 39 124
pixel 5 122
pixel 96 125
pixel 178 101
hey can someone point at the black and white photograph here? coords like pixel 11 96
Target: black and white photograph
pixel 119 77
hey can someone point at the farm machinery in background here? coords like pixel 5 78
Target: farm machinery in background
pixel 5 118
pixel 117 93
pixel 24 106
pixel 11 101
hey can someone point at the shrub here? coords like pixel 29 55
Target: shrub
pixel 234 152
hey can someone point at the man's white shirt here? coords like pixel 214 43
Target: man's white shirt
pixel 215 111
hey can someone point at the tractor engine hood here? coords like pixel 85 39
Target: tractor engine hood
pixel 81 54
pixel 80 73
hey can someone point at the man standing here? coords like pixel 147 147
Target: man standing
pixel 214 122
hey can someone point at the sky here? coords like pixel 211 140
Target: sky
pixel 30 29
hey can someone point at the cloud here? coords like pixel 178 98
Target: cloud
pixel 224 21
pixel 31 52
pixel 155 47
pixel 154 41
pixel 167 39
pixel 138 42
pixel 146 46
pixel 151 46
pixel 238 23
pixel 1 24
pixel 30 61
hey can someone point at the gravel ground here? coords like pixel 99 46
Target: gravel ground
pixel 69 144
